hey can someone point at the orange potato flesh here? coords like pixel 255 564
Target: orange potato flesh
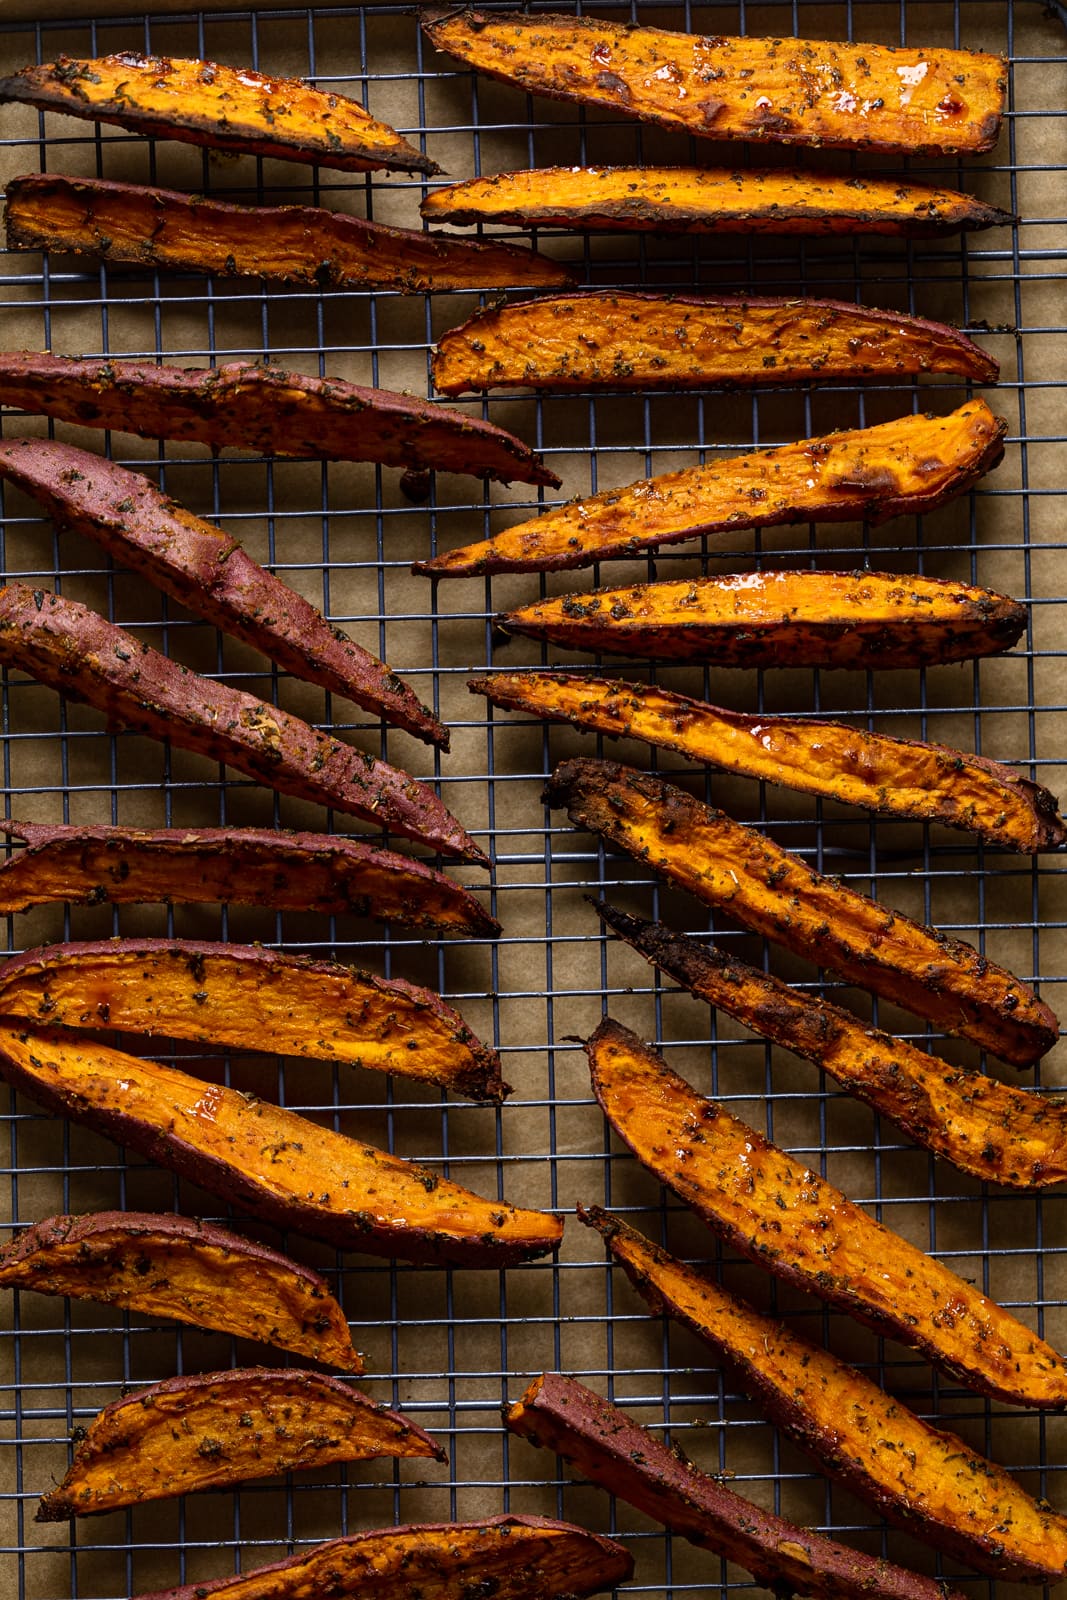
pixel 906 467
pixel 268 1161
pixel 897 777
pixel 604 339
pixel 226 108
pixel 778 896
pixel 216 1429
pixel 784 91
pixel 248 998
pixel 920 1478
pixel 191 1271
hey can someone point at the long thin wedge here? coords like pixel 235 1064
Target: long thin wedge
pixel 858 620
pixel 907 467
pixel 778 1213
pixel 223 107
pixel 250 998
pixel 77 652
pixel 604 339
pixel 779 896
pixel 282 871
pixel 208 572
pixel 605 1445
pixel 896 777
pixel 983 1127
pixel 709 200
pixel 211 1430
pixel 266 410
pixel 191 1271
pixel 127 222
pixel 924 1480
pixel 783 91
pixel 508 1557
pixel 271 1162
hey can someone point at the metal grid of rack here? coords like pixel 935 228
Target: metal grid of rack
pixel 449 1347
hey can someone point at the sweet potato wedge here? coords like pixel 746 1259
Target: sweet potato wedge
pixel 896 777
pixel 190 1271
pixel 907 467
pixel 249 998
pixel 266 410
pixel 77 652
pixel 709 200
pixel 269 1161
pixel 778 896
pixel 859 620
pixel 508 1557
pixel 778 1213
pixel 605 339
pixel 918 1477
pixel 223 107
pixel 209 573
pixel 215 1429
pixel 1012 1136
pixel 279 870
pixel 606 1446
pixel 126 222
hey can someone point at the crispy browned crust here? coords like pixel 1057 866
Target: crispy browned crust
pixel 274 868
pixel 211 1430
pixel 246 997
pixel 778 1213
pixel 606 339
pixel 921 1479
pixel 710 200
pixel 858 620
pixel 783 91
pixel 284 244
pixel 896 777
pixel 266 410
pixel 605 1445
pixel 508 1557
pixel 269 1161
pixel 191 1271
pixel 1010 1136
pixel 780 897
pixel 226 108
pixel 86 658
pixel 907 467
pixel 208 572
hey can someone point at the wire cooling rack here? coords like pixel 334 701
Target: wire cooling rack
pixel 450 1347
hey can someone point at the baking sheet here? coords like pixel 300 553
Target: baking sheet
pixel 450 1347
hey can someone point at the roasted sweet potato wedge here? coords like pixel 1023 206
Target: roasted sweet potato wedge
pixel 209 573
pixel 907 467
pixel 271 1162
pixel 1012 1136
pixel 86 658
pixel 859 620
pixel 897 777
pixel 250 998
pixel 784 1217
pixel 608 1447
pixel 266 410
pixel 191 1271
pixel 780 897
pixel 126 222
pixel 921 1479
pixel 508 1557
pixel 709 200
pixel 604 339
pixel 223 107
pixel 281 871
pixel 215 1429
